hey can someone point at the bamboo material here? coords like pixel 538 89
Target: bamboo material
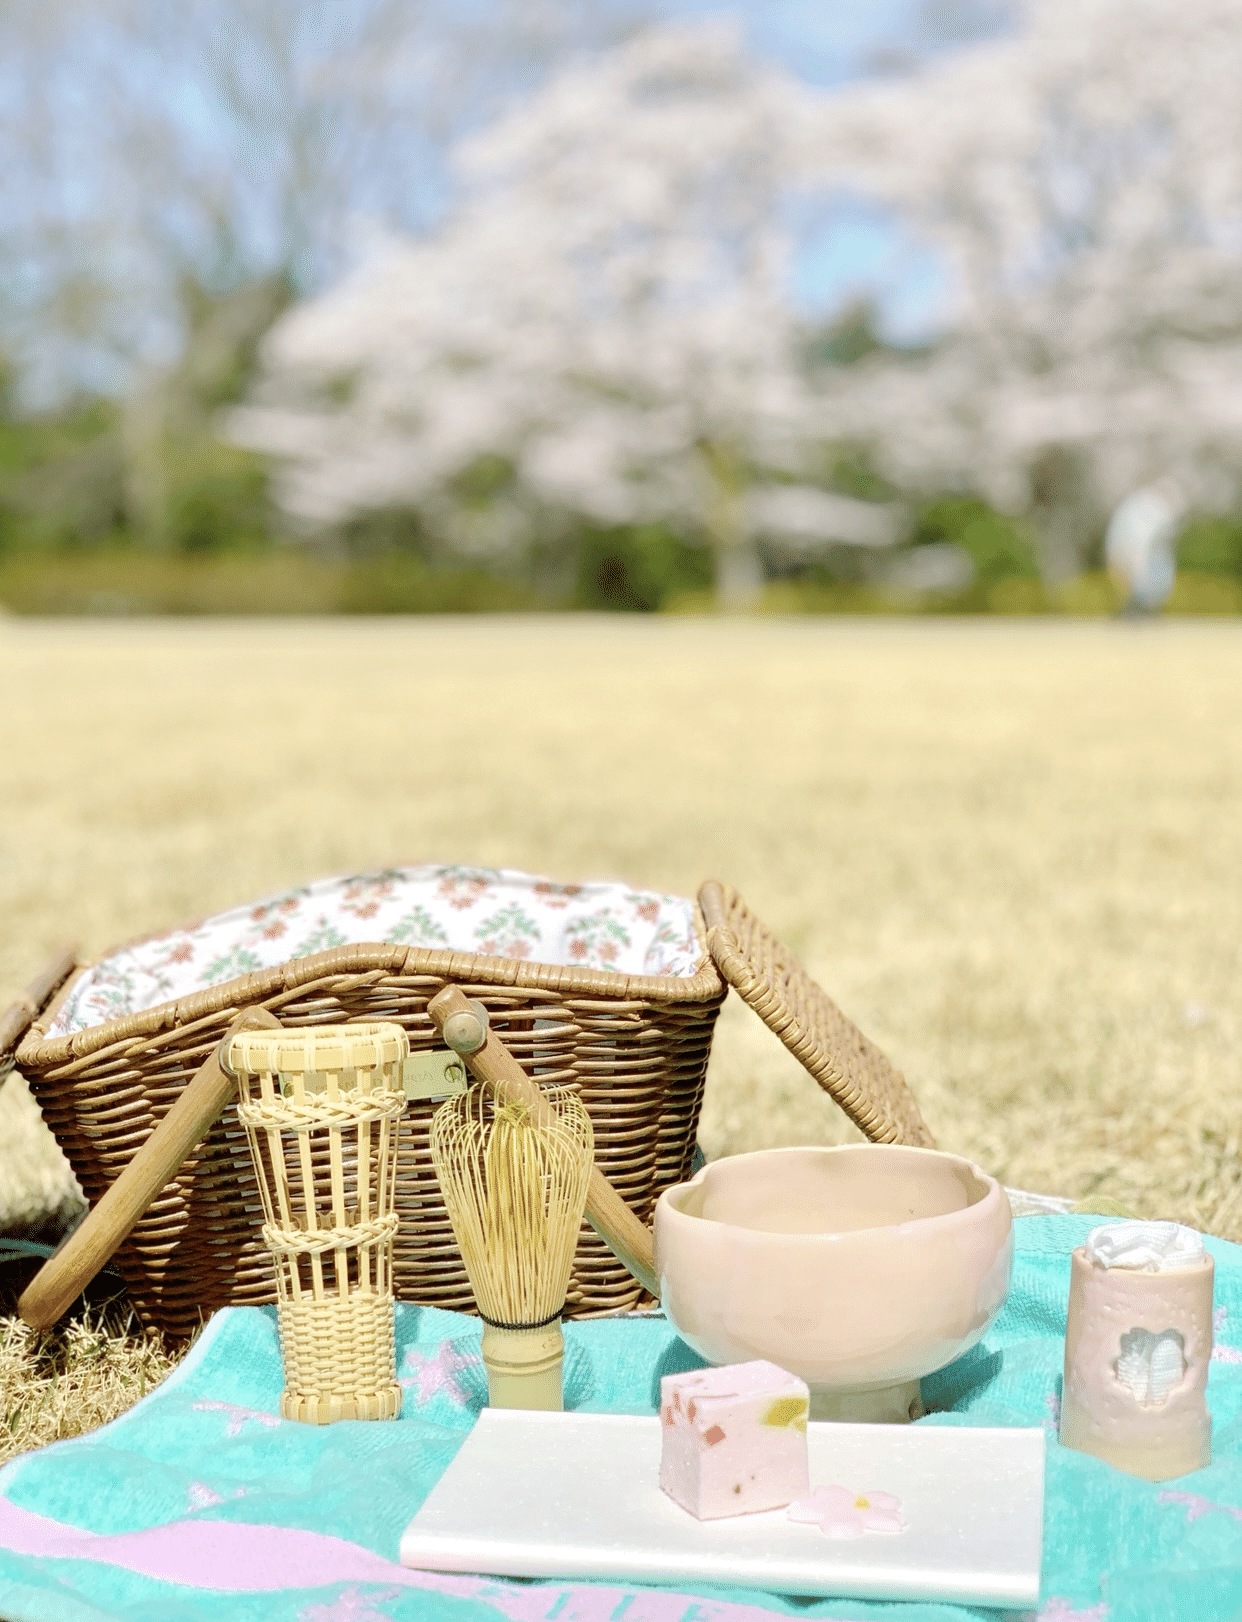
pixel 514 1180
pixel 64 1276
pixel 321 1110
pixel 490 1061
pixel 17 1018
pixel 845 1063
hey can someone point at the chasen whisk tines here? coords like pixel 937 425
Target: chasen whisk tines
pixel 515 1190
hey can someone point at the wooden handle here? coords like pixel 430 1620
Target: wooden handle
pixel 64 1276
pixel 29 1005
pixel 492 1064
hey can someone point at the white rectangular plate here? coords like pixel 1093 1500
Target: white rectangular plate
pixel 577 1495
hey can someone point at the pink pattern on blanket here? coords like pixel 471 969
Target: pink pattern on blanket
pixel 1196 1505
pixel 199 1553
pixel 441 1372
pixel 238 1556
pixel 238 1416
pixel 1060 1610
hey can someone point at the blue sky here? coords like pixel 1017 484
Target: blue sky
pixel 118 142
pixel 830 42
pixel 824 41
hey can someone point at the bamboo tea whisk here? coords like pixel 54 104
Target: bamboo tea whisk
pixel 515 1191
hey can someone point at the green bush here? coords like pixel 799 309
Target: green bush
pixel 128 580
pixel 216 498
pixel 1196 593
pixel 1018 594
pixel 1088 595
pixel 62 477
pixel 125 580
pixel 1211 546
pixel 816 594
pixel 400 583
pixel 638 570
pixel 999 546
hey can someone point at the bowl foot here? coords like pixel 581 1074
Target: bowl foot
pixel 890 1405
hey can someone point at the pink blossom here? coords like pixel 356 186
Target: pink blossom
pixel 842 1513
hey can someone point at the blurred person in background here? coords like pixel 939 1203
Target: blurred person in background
pixel 1139 545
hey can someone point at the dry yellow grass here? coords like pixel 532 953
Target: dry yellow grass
pixel 1009 849
pixel 70 1379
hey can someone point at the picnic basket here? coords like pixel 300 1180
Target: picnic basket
pixel 634 1045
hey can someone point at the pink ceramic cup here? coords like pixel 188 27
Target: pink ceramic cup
pixel 858 1268
pixel 1159 1438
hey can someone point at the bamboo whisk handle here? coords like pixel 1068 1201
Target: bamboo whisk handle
pixel 65 1275
pixel 491 1063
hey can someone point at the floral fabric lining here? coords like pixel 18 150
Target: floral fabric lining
pixel 494 912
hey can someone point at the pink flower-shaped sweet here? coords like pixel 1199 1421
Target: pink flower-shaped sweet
pixel 840 1513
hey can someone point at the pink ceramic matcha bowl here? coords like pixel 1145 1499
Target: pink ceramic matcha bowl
pixel 859 1268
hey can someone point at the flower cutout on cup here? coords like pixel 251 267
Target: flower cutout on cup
pixel 841 1513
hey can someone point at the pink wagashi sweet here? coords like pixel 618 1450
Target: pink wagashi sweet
pixel 733 1439
pixel 841 1513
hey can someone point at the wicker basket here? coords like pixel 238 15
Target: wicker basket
pixel 635 1046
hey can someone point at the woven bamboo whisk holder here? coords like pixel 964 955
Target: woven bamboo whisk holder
pixel 321 1108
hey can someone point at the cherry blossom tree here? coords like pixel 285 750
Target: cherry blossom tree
pixel 228 141
pixel 607 317
pixel 606 322
pixel 1080 186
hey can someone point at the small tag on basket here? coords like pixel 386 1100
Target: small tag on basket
pixel 439 1074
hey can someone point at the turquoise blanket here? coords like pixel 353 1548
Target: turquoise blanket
pixel 201 1505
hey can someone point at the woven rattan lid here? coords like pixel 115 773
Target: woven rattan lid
pixel 848 1066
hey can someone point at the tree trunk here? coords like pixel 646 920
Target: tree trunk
pixel 739 573
pixel 739 576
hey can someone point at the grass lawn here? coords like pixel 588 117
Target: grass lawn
pixel 1009 849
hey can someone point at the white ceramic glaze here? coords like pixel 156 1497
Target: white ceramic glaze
pixel 860 1268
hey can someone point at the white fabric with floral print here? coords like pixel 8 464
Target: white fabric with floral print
pixel 491 911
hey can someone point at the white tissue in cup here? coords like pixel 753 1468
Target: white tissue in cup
pixel 1137 1344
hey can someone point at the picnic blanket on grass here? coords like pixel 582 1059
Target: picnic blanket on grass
pixel 202 1505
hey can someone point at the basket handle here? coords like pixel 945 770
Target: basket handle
pixel 19 1016
pixel 64 1275
pixel 491 1063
